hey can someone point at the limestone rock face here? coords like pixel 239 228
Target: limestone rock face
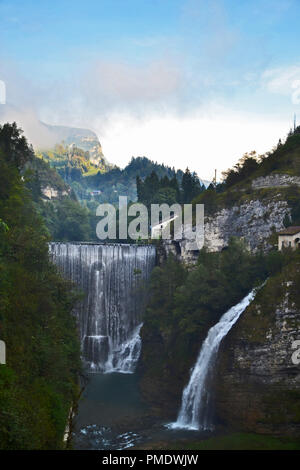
pixel 51 193
pixel 258 374
pixel 254 222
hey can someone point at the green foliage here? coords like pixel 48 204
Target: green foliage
pixel 76 168
pixel 165 196
pixel 293 200
pixel 153 190
pixel 39 382
pixel 218 281
pixel 67 220
pixel 72 163
pixel 245 167
pixel 163 284
pixel 284 158
pixel 190 187
pixel 14 145
pixel 185 302
pixel 240 441
pixel 39 174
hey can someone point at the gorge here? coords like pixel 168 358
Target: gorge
pixel 145 311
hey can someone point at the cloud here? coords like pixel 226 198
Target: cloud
pixel 161 105
pixel 147 109
pixel 120 85
pixel 203 141
pixel 37 134
pixel 283 81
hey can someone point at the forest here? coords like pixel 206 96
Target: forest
pixel 39 383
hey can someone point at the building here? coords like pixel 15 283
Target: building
pixel 289 238
pixel 96 192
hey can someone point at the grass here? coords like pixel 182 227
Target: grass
pixel 241 441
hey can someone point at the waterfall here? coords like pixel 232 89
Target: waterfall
pixel 194 413
pixel 112 279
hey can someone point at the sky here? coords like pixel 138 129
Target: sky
pixel 192 83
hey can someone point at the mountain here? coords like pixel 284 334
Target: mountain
pixel 122 182
pixel 84 139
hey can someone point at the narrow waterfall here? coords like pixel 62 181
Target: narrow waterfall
pixel 194 413
pixel 112 279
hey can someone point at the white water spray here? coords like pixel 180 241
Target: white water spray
pixel 110 314
pixel 194 412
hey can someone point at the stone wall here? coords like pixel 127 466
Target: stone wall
pixel 276 180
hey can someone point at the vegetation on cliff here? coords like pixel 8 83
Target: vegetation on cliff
pixel 256 359
pixel 39 382
pixel 237 188
pixel 64 217
pixel 93 182
pixel 283 159
pixel 180 188
pixel 184 303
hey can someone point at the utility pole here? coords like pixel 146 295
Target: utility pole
pixel 295 126
pixel 215 179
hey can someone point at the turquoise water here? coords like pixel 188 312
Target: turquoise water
pixel 109 411
pixel 112 416
pixel 110 398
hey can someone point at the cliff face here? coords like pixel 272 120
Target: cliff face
pixel 50 192
pixel 258 374
pixel 255 221
pixel 254 211
pixel 84 139
pixel 50 184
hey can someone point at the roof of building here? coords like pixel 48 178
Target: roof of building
pixel 290 230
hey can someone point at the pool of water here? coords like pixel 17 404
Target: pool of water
pixel 113 416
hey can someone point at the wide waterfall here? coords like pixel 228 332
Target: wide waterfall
pixel 195 410
pixel 112 278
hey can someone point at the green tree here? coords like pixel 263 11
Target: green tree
pixel 39 383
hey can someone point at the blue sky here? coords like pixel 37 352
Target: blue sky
pixel 156 77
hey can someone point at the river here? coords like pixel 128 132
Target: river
pixel 112 416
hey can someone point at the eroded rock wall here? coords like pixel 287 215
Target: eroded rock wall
pixel 258 374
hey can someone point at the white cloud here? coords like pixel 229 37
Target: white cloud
pixel 283 81
pixel 147 110
pixel 119 85
pixel 201 142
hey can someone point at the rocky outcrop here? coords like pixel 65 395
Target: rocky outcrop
pixel 51 193
pixel 258 376
pixel 276 180
pixel 254 221
pixel 179 250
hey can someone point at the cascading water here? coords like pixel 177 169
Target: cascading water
pixel 111 277
pixel 194 413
